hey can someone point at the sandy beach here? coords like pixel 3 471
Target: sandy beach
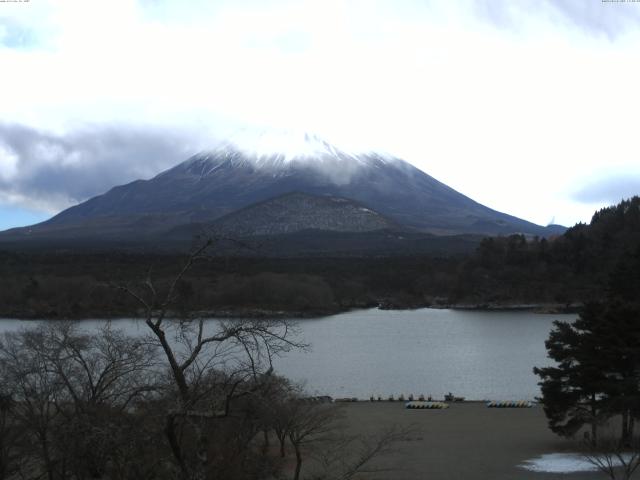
pixel 466 441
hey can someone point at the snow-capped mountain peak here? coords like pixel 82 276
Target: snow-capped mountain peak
pixel 288 144
pixel 251 168
pixel 284 143
pixel 279 153
pixel 278 148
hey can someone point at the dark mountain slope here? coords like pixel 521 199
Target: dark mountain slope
pixel 211 185
pixel 294 212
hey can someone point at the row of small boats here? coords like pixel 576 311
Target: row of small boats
pixel 420 405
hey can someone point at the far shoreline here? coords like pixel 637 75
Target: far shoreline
pixel 268 314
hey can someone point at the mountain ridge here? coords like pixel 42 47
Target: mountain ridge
pixel 212 184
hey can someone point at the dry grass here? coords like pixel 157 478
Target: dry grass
pixel 467 441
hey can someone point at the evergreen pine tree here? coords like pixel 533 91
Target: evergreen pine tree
pixel 597 375
pixel 573 391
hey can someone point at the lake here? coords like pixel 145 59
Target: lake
pixel 476 354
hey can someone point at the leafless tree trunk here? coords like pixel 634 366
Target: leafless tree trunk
pixel 10 433
pixel 296 474
pixel 70 390
pixel 37 392
pixel 244 349
pixel 308 423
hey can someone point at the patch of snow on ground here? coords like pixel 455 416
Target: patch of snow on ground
pixel 560 463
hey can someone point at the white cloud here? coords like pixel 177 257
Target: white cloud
pixel 8 162
pixel 508 105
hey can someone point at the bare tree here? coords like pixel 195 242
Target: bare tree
pixel 102 374
pixel 70 391
pixel 37 392
pixel 241 351
pixel 105 367
pixel 613 458
pixel 316 432
pixel 187 400
pixel 307 423
pixel 10 434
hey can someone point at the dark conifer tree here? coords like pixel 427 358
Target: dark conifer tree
pixel 573 391
pixel 618 333
pixel 597 375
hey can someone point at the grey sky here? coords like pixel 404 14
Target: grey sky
pixel 53 170
pixel 516 103
pixel 610 189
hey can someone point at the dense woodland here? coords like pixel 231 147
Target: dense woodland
pixel 593 387
pixel 564 271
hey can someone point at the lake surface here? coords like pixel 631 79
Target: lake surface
pixel 478 355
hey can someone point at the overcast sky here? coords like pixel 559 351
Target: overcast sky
pixel 527 106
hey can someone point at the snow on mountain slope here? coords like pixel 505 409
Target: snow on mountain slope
pixel 281 153
pixel 244 171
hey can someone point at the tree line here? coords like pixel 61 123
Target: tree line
pixel 185 399
pixel 566 270
pixel 594 386
pixel 572 268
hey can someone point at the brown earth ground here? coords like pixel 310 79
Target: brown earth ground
pixel 467 441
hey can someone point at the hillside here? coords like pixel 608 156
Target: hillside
pixel 213 184
pixel 303 279
pixel 574 267
pixel 295 212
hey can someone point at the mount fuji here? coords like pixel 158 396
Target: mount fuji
pixel 232 183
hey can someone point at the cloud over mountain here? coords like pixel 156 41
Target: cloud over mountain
pixel 51 171
pixel 468 90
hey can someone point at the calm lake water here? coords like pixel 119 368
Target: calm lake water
pixel 478 355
